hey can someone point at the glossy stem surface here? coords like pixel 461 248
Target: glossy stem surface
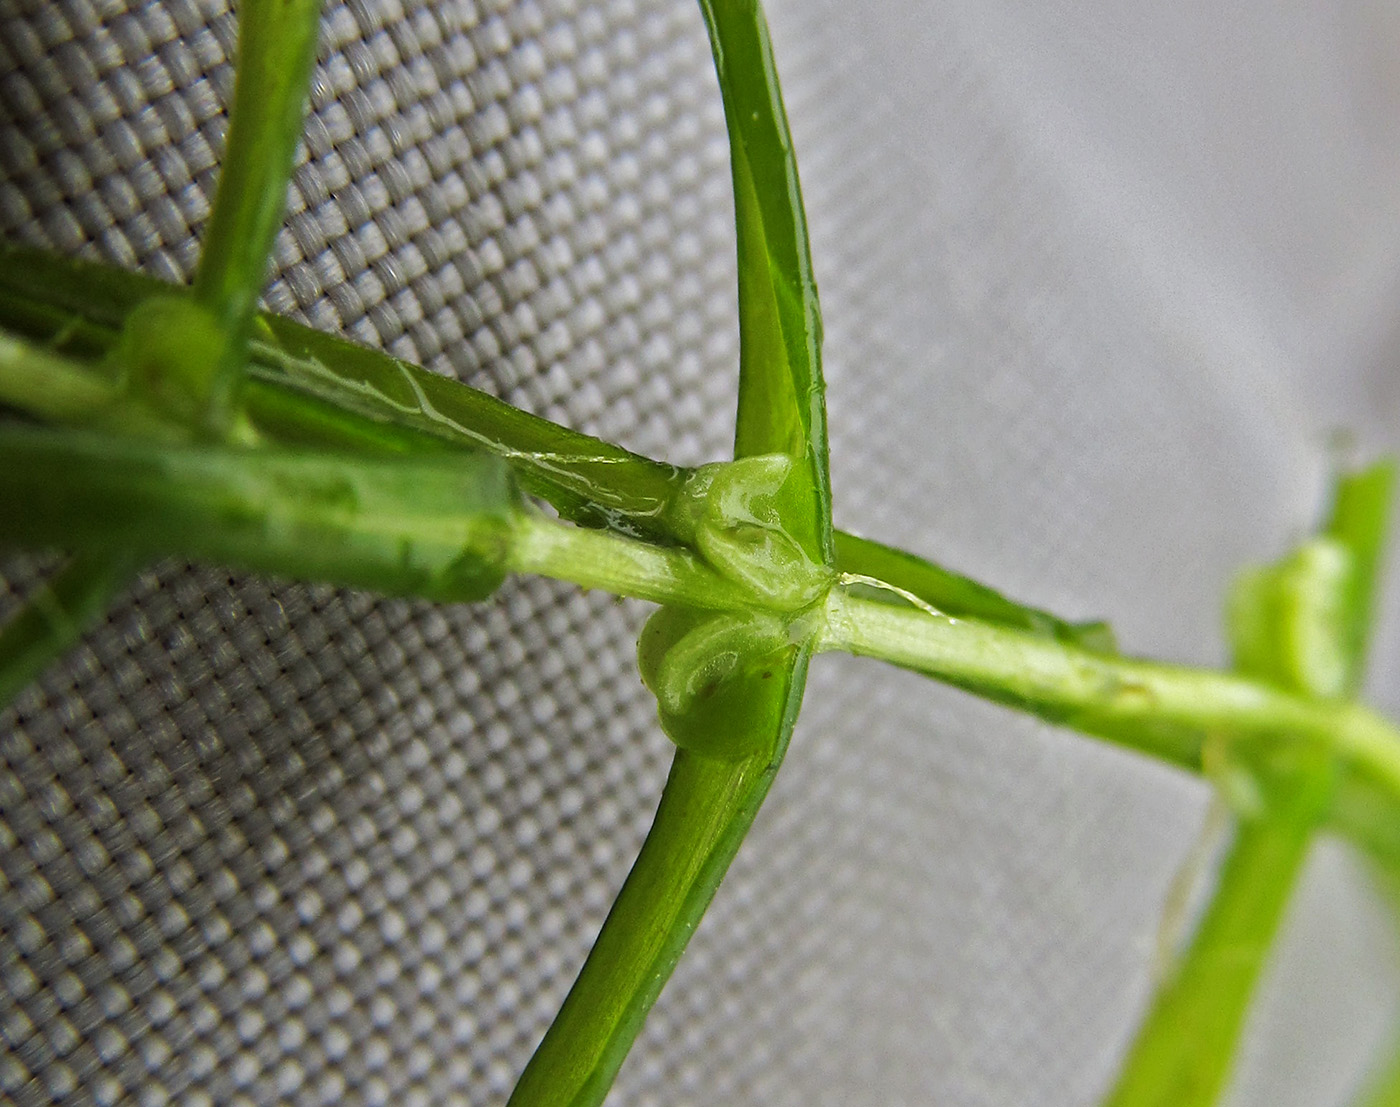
pixel 953 593
pixel 1166 711
pixel 705 811
pixel 782 396
pixel 310 388
pixel 708 804
pixel 622 566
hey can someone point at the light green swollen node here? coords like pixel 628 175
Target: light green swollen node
pixel 169 353
pixel 1288 621
pixel 1287 624
pixel 729 510
pixel 707 669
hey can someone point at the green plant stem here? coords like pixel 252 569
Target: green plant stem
pixel 438 527
pixel 400 525
pixel 708 805
pixel 587 480
pixel 277 40
pixel 50 386
pixel 782 396
pixel 1165 710
pixel 55 388
pixel 1183 1053
pixel 1161 710
pixel 276 50
pixel 98 493
pixel 597 559
pixel 1360 519
pixel 1293 625
pixel 449 525
pixel 53 619
pixel 953 593
pixel 310 388
pixel 706 810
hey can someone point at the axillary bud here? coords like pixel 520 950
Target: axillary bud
pixel 709 671
pixel 169 351
pixel 730 511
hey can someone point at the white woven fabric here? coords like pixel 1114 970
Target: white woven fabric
pixel 1100 282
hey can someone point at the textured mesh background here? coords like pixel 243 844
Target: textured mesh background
pixel 1099 282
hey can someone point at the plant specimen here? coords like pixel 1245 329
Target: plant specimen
pixel 151 420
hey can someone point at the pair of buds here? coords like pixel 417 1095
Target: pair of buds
pixel 712 672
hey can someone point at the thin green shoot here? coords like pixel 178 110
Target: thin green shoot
pixel 276 50
pixel 1292 624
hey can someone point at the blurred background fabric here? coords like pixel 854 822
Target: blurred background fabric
pixel 1103 283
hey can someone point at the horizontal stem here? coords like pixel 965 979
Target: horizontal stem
pixel 443 526
pixel 50 386
pixel 955 594
pixel 315 389
pixel 598 559
pixel 54 388
pixel 306 387
pixel 1164 710
pixel 437 527
pixel 585 479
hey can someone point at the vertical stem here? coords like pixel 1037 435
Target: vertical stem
pixel 1360 520
pixel 1184 1050
pixel 276 49
pixel 1301 624
pixel 782 405
pixel 1382 1087
pixel 705 812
